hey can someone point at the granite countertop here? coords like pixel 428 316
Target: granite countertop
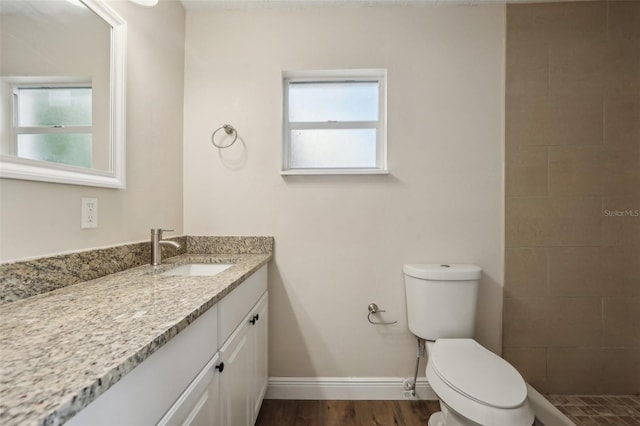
pixel 61 350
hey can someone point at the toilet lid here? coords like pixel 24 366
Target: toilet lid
pixel 478 373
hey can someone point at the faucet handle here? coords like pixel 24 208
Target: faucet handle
pixel 158 232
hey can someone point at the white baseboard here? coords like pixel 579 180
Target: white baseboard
pixel 349 388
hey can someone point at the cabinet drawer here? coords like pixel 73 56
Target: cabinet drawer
pixel 235 305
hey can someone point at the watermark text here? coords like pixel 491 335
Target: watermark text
pixel 622 213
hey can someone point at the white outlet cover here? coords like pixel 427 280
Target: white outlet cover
pixel 89 213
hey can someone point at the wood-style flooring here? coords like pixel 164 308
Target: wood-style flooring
pixel 280 412
pixel 585 410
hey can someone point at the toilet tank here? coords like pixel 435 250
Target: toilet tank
pixel 441 299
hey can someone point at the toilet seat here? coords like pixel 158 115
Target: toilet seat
pixel 478 373
pixel 478 384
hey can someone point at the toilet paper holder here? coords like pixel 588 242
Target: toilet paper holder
pixel 373 309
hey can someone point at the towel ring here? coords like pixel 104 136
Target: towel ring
pixel 228 129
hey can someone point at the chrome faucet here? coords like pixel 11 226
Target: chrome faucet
pixel 156 242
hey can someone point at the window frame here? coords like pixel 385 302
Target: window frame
pixel 339 76
pixel 18 130
pixel 12 167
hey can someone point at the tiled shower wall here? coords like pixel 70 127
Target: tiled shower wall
pixel 572 284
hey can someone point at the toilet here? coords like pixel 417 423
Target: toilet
pixel 474 385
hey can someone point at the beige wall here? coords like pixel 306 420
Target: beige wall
pixel 572 282
pixel 341 240
pixel 40 218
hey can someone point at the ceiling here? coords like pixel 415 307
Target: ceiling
pixel 43 8
pixel 267 4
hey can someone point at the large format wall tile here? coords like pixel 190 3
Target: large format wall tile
pixel 623 17
pixel 572 276
pixel 621 222
pixel 575 118
pixel 593 170
pixel 593 271
pixel 593 371
pixel 622 322
pixel 530 65
pixel 623 48
pixel 575 170
pixel 526 271
pixel 526 171
pixel 621 169
pixel 527 121
pixel 531 363
pixel 559 221
pixel 553 321
pixel 576 67
pixel 622 114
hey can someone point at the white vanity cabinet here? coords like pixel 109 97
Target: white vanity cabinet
pixel 240 365
pixel 213 373
pixel 235 396
pixel 244 379
pixel 260 355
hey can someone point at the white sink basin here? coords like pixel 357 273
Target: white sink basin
pixel 198 269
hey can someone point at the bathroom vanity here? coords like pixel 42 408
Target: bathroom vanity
pixel 140 347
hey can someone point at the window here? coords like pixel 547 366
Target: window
pixel 53 124
pixel 334 122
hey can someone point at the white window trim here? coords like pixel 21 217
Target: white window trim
pixel 378 75
pixel 12 167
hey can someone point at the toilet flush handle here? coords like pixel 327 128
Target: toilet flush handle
pixel 373 309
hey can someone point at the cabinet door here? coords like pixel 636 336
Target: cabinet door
pixel 260 335
pixel 199 405
pixel 235 398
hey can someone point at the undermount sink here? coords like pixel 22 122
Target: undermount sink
pixel 198 269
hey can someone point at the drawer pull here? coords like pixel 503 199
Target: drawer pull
pixel 255 318
pixel 220 367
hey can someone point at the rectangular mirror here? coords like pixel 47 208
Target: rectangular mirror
pixel 62 92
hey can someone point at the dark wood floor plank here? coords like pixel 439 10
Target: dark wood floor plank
pixel 340 413
pixel 376 413
pixel 308 413
pixel 278 412
pixel 398 413
pixel 417 412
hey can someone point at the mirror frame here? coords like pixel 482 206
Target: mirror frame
pixel 19 168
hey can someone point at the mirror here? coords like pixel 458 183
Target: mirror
pixel 62 92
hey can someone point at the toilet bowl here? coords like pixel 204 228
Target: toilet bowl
pixel 474 386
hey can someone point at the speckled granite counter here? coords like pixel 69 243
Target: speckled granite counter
pixel 61 350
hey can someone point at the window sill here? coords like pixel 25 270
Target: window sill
pixel 298 172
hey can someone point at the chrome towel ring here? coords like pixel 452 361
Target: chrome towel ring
pixel 229 130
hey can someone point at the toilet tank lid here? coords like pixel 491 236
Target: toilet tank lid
pixel 443 271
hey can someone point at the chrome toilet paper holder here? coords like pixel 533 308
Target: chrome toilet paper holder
pixel 373 309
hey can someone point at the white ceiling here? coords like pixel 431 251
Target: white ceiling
pixel 44 8
pixel 248 4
